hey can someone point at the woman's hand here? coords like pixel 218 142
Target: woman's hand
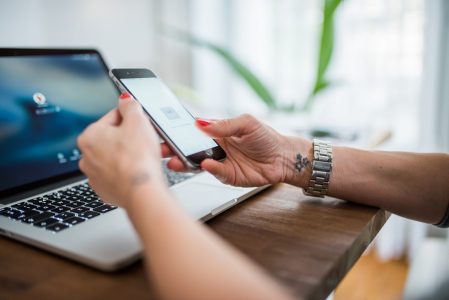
pixel 256 153
pixel 121 152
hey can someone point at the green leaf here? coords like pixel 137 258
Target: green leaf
pixel 326 49
pixel 238 67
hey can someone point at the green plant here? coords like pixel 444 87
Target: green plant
pixel 321 82
pixel 326 50
pixel 238 67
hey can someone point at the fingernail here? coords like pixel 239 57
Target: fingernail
pixel 203 122
pixel 124 96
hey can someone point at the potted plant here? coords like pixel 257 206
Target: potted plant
pixel 320 83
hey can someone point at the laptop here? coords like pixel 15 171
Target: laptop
pixel 47 98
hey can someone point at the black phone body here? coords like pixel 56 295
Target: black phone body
pixel 171 119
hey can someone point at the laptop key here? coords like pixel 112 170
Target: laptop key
pixel 29 213
pixel 4 211
pixel 94 204
pixel 73 221
pixel 90 198
pixel 24 206
pixel 34 201
pixel 79 210
pixel 55 197
pixel 66 193
pixel 12 213
pixel 75 204
pixel 89 214
pixel 41 202
pixel 46 207
pixel 66 198
pixel 57 227
pixel 65 215
pixel 20 206
pixel 104 208
pixel 60 209
pixel 38 217
pixel 61 202
pixel 32 206
pixel 46 222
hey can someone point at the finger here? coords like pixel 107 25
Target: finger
pixel 86 138
pixel 90 140
pixel 130 110
pixel 86 167
pixel 216 168
pixel 82 164
pixel 166 151
pixel 175 164
pixel 111 118
pixel 239 126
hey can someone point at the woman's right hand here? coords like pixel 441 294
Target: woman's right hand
pixel 256 154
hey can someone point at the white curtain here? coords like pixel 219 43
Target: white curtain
pixel 399 235
pixel 435 97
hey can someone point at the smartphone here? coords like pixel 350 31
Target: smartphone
pixel 172 121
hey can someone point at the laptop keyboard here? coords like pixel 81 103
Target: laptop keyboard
pixel 68 207
pixel 59 210
pixel 175 177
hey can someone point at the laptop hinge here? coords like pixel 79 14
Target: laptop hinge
pixel 40 190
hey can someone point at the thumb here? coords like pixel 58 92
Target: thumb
pixel 129 109
pixel 239 126
pixel 217 169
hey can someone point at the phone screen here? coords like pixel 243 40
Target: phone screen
pixel 169 114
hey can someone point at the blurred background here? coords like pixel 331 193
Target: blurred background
pixel 369 73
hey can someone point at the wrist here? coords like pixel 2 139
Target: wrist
pixel 149 192
pixel 293 147
pixel 151 207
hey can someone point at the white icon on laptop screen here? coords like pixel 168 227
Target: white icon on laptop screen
pixel 43 105
pixel 40 99
pixel 76 155
pixel 61 158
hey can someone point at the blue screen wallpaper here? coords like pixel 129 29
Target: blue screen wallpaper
pixel 45 103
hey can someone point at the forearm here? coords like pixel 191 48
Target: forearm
pixel 413 185
pixel 409 184
pixel 187 261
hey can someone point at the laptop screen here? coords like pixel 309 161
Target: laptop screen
pixel 46 101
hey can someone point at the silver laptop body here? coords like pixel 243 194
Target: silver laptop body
pixel 108 242
pixel 59 213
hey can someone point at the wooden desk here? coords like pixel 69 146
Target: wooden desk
pixel 307 244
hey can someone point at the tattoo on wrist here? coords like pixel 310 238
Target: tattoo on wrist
pixel 140 178
pixel 302 162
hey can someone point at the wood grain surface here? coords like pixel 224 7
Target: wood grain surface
pixel 306 244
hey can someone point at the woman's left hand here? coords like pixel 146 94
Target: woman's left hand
pixel 120 152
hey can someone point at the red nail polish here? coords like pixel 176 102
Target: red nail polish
pixel 125 95
pixel 203 122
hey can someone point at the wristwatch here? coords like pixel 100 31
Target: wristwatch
pixel 321 169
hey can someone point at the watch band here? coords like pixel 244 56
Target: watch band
pixel 321 169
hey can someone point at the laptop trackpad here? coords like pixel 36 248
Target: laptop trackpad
pixel 201 199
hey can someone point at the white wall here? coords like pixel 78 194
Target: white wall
pixel 125 31
pixel 435 98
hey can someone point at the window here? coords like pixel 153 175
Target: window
pixel 375 72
